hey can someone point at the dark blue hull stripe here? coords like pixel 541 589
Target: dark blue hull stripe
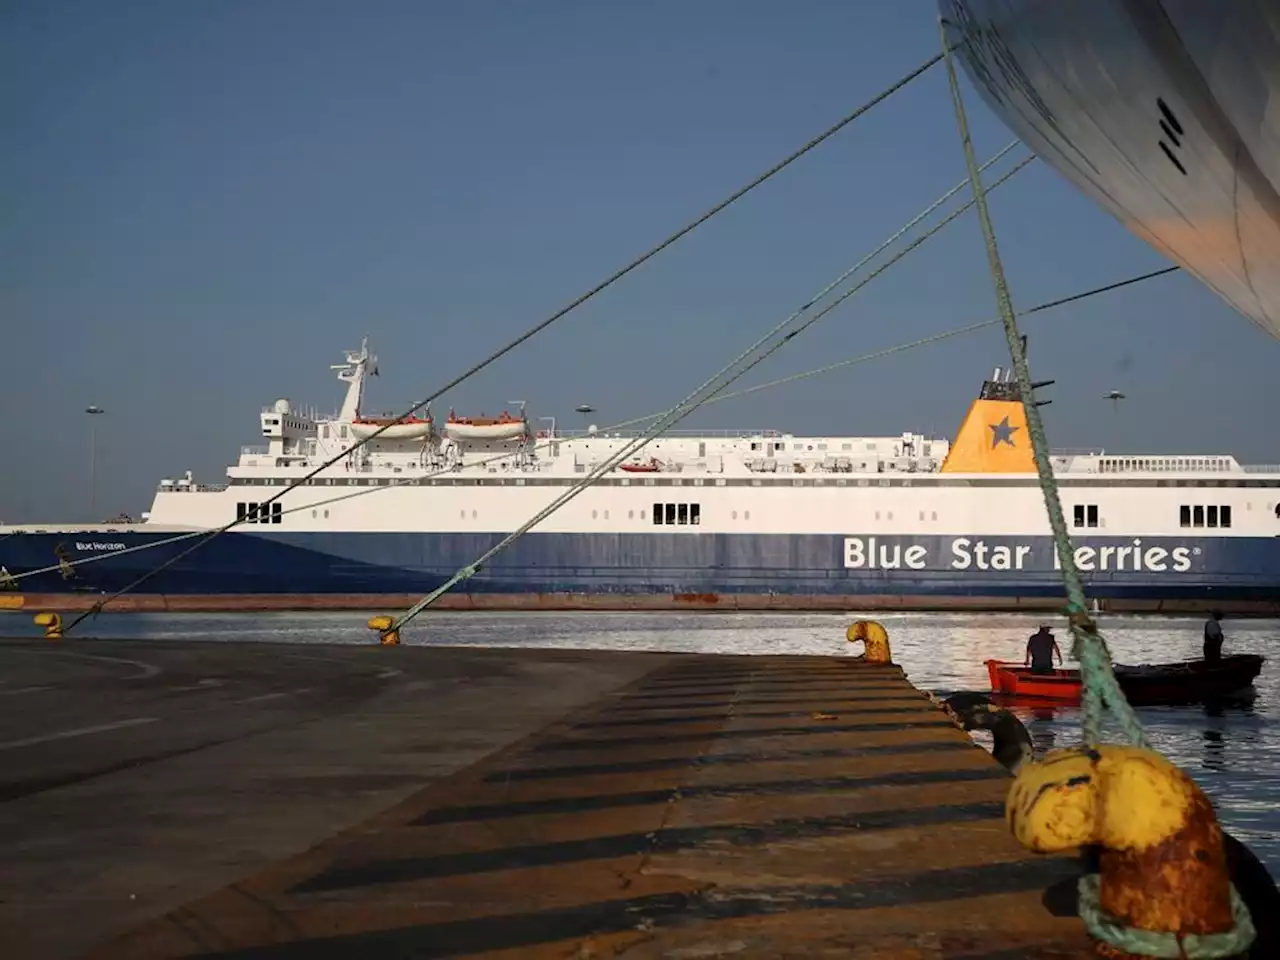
pixel 612 564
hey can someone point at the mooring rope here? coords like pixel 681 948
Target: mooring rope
pixel 504 456
pixel 1089 647
pixel 538 327
pixel 621 425
pixel 686 406
pixel 911 344
pixel 1100 689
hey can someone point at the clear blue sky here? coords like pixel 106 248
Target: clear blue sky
pixel 205 203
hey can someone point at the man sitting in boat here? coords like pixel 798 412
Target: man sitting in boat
pixel 1213 637
pixel 1041 649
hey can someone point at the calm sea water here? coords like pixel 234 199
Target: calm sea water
pixel 1234 752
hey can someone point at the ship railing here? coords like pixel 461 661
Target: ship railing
pixel 254 451
pixel 1077 452
pixel 1260 467
pixel 674 434
pixel 192 487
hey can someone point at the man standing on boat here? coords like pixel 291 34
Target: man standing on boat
pixel 1213 637
pixel 1041 649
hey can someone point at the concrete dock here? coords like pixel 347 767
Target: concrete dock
pixel 272 801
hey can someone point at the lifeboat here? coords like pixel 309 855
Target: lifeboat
pixel 1188 681
pixel 502 427
pixel 398 428
pixel 653 466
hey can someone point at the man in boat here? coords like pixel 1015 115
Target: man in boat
pixel 1041 649
pixel 1213 637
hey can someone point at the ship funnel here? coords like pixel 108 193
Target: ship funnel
pixel 993 437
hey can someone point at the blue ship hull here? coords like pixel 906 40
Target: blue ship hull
pixel 792 570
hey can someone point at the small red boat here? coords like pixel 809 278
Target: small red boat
pixel 653 466
pixel 1015 680
pixel 1189 681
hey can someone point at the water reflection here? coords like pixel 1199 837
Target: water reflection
pixel 1043 729
pixel 1231 747
pixel 1214 756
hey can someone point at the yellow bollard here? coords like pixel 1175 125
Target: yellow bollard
pixel 1162 868
pixel 874 636
pixel 52 624
pixel 387 637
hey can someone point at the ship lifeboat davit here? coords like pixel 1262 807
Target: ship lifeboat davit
pixel 397 428
pixel 502 427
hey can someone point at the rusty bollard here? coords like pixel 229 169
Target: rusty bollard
pixel 386 636
pixel 1162 887
pixel 874 636
pixel 52 624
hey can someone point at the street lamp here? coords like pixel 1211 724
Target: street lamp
pixel 93 410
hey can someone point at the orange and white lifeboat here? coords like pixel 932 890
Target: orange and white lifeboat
pixel 502 427
pixel 397 428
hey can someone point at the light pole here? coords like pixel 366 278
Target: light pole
pixel 93 410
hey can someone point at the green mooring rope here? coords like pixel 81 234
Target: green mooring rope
pixel 1147 943
pixel 1100 689
pixel 1089 648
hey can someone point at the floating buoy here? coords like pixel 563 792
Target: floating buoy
pixel 874 636
pixel 386 636
pixel 52 624
pixel 1162 880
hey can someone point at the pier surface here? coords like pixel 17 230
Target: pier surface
pixel 166 799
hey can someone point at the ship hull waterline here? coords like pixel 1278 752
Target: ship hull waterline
pixel 678 571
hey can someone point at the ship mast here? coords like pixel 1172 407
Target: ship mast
pixel 353 374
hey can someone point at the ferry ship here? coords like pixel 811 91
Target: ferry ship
pixel 753 519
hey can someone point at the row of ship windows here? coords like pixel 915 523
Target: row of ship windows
pixel 676 514
pixel 1210 516
pixel 690 514
pixel 681 514
pixel 260 512
pixel 1086 515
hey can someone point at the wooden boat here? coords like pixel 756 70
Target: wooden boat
pixel 1188 681
pixel 1015 680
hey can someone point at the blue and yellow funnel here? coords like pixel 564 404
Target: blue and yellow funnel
pixel 993 437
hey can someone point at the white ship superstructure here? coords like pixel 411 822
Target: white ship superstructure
pixel 715 514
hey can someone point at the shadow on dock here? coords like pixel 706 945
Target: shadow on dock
pixel 714 806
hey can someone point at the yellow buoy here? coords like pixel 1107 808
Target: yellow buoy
pixel 1162 867
pixel 874 636
pixel 382 623
pixel 52 624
